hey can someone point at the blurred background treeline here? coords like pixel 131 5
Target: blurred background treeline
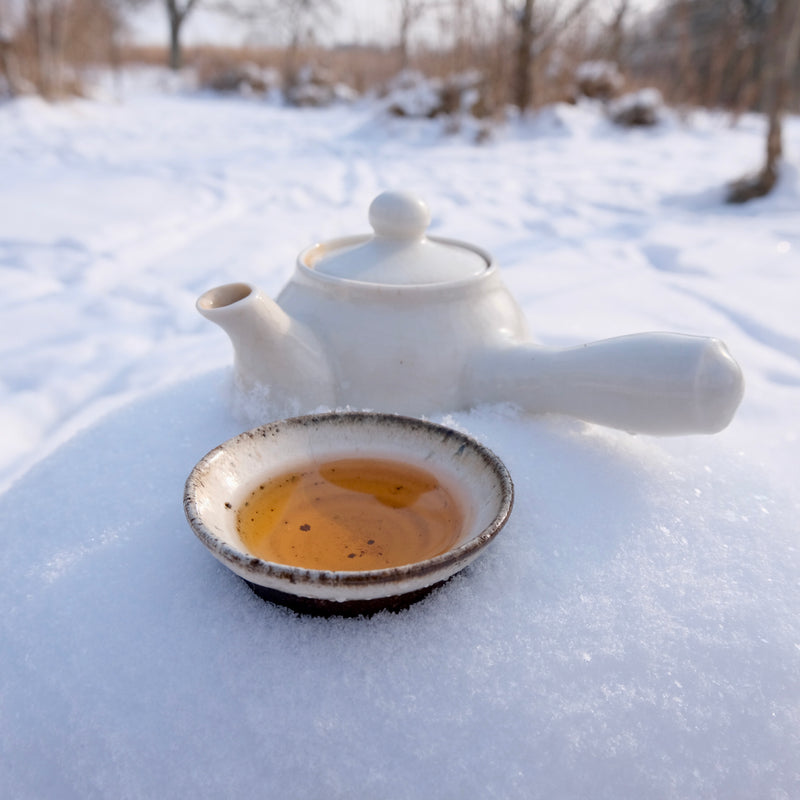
pixel 711 53
pixel 482 57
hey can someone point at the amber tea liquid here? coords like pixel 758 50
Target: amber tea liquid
pixel 350 514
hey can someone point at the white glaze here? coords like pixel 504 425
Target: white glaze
pixel 407 323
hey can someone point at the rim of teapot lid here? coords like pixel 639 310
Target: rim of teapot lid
pixel 399 251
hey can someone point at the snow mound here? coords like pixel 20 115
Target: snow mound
pixel 632 632
pixel 641 108
pixel 599 80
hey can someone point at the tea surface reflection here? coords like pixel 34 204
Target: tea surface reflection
pixel 349 515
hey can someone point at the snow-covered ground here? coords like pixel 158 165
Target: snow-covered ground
pixel 634 631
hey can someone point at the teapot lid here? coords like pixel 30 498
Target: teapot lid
pixel 399 252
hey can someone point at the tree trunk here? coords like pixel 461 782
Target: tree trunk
pixel 176 15
pixel 8 62
pixel 523 82
pixel 779 65
pixel 779 77
pixel 410 13
pixel 686 69
pixel 616 33
pixel 175 55
pixel 40 31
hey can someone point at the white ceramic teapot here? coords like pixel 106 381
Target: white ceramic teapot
pixel 402 322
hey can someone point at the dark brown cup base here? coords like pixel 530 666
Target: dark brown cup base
pixel 317 607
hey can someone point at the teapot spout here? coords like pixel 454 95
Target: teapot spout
pixel 275 356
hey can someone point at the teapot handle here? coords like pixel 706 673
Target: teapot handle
pixel 653 383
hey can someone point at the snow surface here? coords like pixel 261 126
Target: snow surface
pixel 635 629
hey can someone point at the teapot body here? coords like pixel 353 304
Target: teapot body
pixel 402 322
pixel 403 348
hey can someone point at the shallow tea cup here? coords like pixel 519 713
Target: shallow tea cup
pixel 221 481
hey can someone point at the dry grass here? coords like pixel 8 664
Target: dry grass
pixel 362 68
pixel 717 71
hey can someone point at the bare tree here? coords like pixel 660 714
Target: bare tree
pixel 46 34
pixel 411 11
pixel 780 62
pixel 177 12
pixel 616 33
pixel 9 73
pixel 686 68
pixel 523 85
pixel 705 52
pixel 290 23
pixel 302 18
pixel 537 29
pixel 45 44
pixel 45 22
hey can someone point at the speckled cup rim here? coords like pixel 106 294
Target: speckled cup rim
pixel 374 433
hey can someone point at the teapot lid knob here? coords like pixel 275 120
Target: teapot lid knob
pixel 399 215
